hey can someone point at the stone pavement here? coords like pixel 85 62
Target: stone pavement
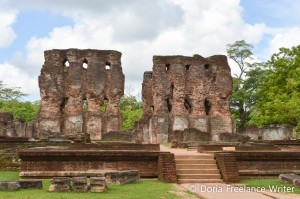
pixel 223 190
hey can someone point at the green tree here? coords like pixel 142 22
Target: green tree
pixel 24 110
pixel 131 110
pixel 245 83
pixel 279 93
pixel 10 93
pixel 240 52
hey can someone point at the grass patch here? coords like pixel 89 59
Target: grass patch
pixel 142 189
pixel 266 183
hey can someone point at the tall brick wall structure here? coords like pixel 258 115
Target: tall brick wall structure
pixel 73 85
pixel 186 93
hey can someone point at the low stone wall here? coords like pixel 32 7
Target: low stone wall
pixel 267 163
pixel 270 132
pixel 250 164
pixel 219 147
pixel 116 146
pixel 9 159
pixel 120 136
pixel 146 162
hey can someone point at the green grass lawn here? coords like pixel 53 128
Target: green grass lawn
pixel 268 182
pixel 143 189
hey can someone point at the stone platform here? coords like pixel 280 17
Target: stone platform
pixel 51 162
pixel 237 164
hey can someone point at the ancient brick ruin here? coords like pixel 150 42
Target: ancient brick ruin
pixel 73 85
pixel 186 94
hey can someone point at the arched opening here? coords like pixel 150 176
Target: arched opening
pixel 107 65
pixel 85 64
pixel 172 90
pixel 152 109
pixel 84 105
pixel 207 106
pixel 187 67
pixel 63 105
pixel 66 63
pixel 187 104
pixel 167 67
pixel 206 66
pixel 169 105
pixel 103 105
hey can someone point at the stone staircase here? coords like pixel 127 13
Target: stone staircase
pixel 200 168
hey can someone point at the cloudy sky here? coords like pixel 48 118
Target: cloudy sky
pixel 139 29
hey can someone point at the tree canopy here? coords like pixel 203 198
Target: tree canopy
pixel 279 93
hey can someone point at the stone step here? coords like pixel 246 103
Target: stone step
pixel 198 171
pixel 194 157
pixel 202 161
pixel 183 181
pixel 196 166
pixel 199 176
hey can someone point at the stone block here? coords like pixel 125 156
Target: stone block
pixel 289 178
pixel 9 185
pixel 80 184
pixel 98 184
pixel 180 123
pixel 31 184
pixel 200 123
pixel 60 184
pixel 122 177
pixel 296 182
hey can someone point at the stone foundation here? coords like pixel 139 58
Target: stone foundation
pixel 50 162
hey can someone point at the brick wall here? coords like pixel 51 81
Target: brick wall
pixel 267 163
pixel 117 146
pixel 218 147
pixel 167 168
pixel 147 162
pixel 249 164
pixel 9 160
pixel 228 167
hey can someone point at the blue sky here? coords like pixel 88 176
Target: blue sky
pixel 139 29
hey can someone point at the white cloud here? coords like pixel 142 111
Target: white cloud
pixel 7 18
pixel 141 29
pixel 14 77
pixel 287 38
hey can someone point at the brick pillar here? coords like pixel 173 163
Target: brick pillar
pixel 228 167
pixel 167 168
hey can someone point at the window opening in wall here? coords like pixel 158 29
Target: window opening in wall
pixel 85 64
pixel 172 90
pixel 167 67
pixel 188 105
pixel 66 63
pixel 206 66
pixel 103 105
pixel 207 106
pixel 63 105
pixel 84 105
pixel 107 65
pixel 169 105
pixel 152 109
pixel 187 67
